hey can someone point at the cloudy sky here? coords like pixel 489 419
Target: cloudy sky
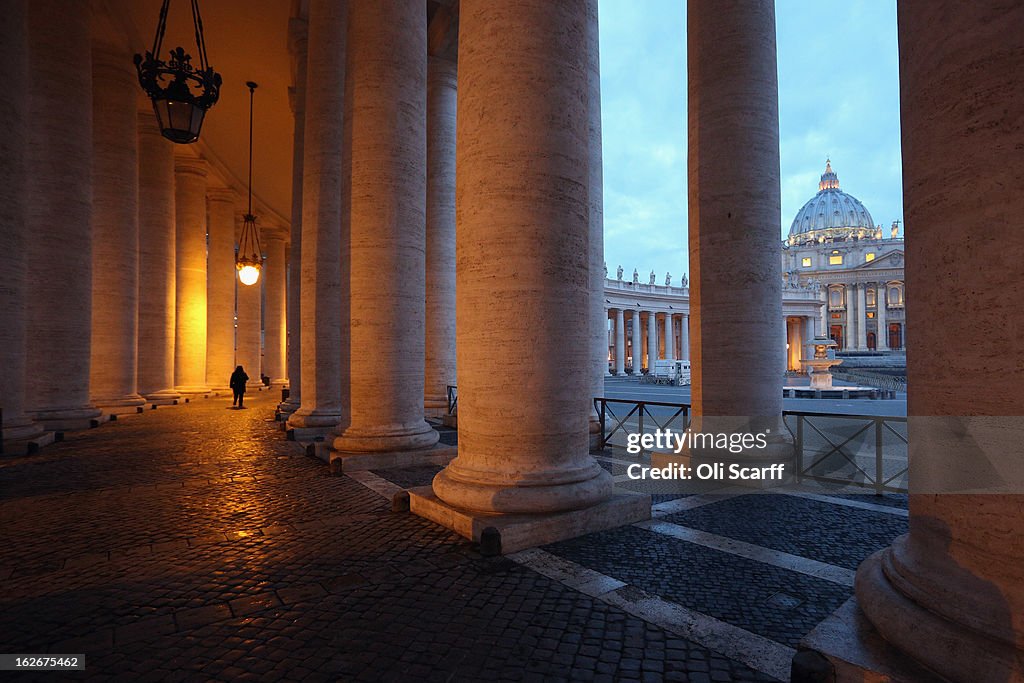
pixel 838 97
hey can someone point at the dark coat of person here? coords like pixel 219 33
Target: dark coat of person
pixel 238 380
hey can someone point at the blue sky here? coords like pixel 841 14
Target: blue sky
pixel 838 97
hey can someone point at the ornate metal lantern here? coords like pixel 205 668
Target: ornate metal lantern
pixel 249 260
pixel 181 92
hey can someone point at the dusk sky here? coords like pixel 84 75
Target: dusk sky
pixel 838 98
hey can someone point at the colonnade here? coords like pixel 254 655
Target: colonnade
pixel 653 335
pixel 867 309
pixel 118 247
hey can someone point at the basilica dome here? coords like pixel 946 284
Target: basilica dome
pixel 831 214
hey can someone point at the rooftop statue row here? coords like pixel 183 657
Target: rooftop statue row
pixel 636 277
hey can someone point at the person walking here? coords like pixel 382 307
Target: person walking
pixel 237 383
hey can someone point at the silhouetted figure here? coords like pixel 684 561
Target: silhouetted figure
pixel 238 380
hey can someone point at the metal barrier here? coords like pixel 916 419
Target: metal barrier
pixel 859 450
pixel 609 407
pixel 886 382
pixel 453 399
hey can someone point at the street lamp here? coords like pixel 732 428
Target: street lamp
pixel 249 260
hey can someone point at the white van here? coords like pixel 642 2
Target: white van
pixel 675 372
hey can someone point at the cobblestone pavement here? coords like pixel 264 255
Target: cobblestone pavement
pixel 194 543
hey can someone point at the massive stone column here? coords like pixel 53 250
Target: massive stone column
pixel 322 185
pixel 881 306
pixel 248 336
pixel 157 258
pixel 298 42
pixel 737 340
pixel 385 124
pixel 684 336
pixel 823 318
pixel 652 339
pixel 115 229
pixel 595 206
pixel 274 336
pixel 58 220
pixel 220 289
pixel 950 594
pixel 440 240
pixel 670 338
pixel 14 235
pixel 620 342
pixel 862 316
pixel 638 345
pixel 523 294
pixel 190 283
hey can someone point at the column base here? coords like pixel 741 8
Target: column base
pixel 29 446
pixel 190 392
pixel 435 406
pixel 848 649
pixel 521 531
pixel 220 391
pixel 121 406
pixel 390 439
pixel 314 420
pixel 165 397
pixel 70 420
pixel 279 382
pixel 438 454
pixel 287 408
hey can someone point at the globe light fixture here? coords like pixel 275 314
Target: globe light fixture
pixel 181 93
pixel 249 260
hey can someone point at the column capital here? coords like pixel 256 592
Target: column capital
pixel 221 194
pixel 186 163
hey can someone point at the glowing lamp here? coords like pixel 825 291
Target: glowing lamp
pixel 248 275
pixel 249 259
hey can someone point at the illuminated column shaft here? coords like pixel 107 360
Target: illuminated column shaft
pixel 221 278
pixel 14 235
pixel 440 312
pixel 595 207
pixel 950 594
pixel 59 192
pixel 385 244
pixel 190 284
pixel 323 184
pixel 737 344
pixel 524 285
pixel 638 345
pixel 274 323
pixel 881 299
pixel 115 226
pixel 157 272
pixel 298 33
pixel 684 336
pixel 620 342
pixel 652 339
pixel 670 338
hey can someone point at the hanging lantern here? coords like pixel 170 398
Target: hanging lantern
pixel 249 260
pixel 181 93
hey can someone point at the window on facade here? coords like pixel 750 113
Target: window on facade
pixel 869 298
pixel 835 258
pixel 806 262
pixel 895 296
pixel 835 297
pixel 869 257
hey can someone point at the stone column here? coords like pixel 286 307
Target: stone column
pixel 221 277
pixel 734 200
pixel 620 342
pixel 638 346
pixel 298 37
pixel 670 338
pixel 248 336
pixel 822 320
pixel 609 336
pixel 322 186
pixel 157 257
pixel 862 316
pixel 439 354
pixel 115 229
pixel 274 337
pixel 524 291
pixel 190 284
pixel 852 317
pixel 881 306
pixel 950 594
pixel 14 235
pixel 684 336
pixel 595 207
pixel 385 243
pixel 652 339
pixel 58 220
